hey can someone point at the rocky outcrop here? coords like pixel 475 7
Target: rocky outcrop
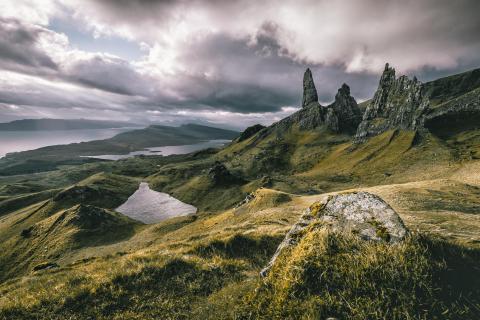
pixel 309 90
pixel 250 131
pixel 360 213
pixel 398 103
pixel 456 115
pixel 346 110
pixel 331 120
pixel 219 175
pixel 451 87
pixel 343 115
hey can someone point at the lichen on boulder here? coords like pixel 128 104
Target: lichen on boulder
pixel 360 213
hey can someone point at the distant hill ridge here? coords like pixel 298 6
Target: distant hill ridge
pixel 47 158
pixel 62 124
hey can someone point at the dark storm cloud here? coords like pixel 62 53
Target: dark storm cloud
pixel 239 79
pixel 18 47
pixel 107 73
pixel 243 57
pixel 20 51
pixel 247 99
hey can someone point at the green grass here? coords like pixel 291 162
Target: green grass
pixel 336 275
pixel 255 250
pixel 166 289
pixel 206 266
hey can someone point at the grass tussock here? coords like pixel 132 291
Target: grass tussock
pixel 256 250
pixel 333 275
pixel 167 290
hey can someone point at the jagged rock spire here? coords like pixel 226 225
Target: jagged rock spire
pixel 309 90
pixel 398 103
pixel 346 110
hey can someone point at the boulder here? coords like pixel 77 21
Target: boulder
pixel 360 213
pixel 45 266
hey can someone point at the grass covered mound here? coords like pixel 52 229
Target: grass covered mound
pixel 256 250
pixel 336 275
pixel 206 282
pixel 150 288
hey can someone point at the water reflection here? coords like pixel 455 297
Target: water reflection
pixel 150 206
pixel 166 150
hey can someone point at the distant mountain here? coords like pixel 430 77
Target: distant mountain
pixel 62 124
pixel 48 158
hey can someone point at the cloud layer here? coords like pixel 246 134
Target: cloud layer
pixel 223 62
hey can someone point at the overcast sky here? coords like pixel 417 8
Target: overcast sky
pixel 226 63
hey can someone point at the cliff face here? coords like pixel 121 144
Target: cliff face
pixel 346 110
pixel 309 90
pixel 398 103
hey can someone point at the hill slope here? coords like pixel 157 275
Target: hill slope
pixel 89 262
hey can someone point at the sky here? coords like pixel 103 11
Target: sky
pixel 223 63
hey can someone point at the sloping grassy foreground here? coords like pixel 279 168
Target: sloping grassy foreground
pixel 333 275
pixel 147 285
pixel 325 275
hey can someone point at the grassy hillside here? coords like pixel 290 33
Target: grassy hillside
pixel 213 261
pixel 66 254
pixel 448 88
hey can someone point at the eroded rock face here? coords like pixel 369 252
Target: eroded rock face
pixel 398 103
pixel 346 111
pixel 343 115
pixel 454 116
pixel 309 90
pixel 250 131
pixel 361 213
pixel 220 175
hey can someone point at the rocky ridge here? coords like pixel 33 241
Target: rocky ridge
pixel 250 131
pixel 345 112
pixel 398 103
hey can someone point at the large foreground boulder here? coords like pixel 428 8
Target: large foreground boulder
pixel 360 213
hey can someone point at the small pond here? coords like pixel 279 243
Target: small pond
pixel 150 206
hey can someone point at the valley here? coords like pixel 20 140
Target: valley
pixel 66 251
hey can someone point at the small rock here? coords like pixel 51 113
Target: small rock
pixel 45 266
